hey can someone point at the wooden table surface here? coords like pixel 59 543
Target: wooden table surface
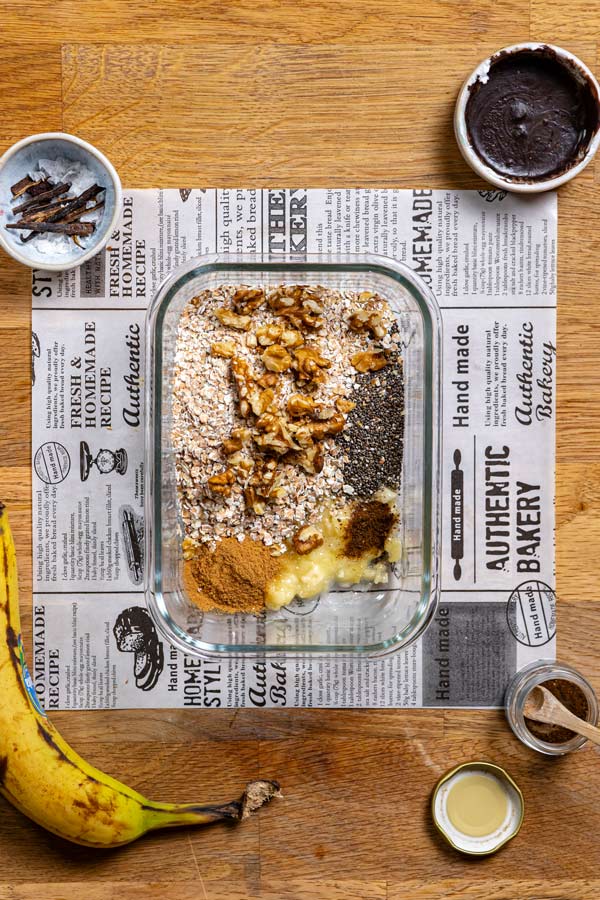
pixel 320 93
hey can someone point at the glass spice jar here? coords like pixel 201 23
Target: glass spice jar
pixel 520 687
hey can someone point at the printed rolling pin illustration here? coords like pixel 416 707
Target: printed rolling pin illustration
pixel 457 515
pixel 132 529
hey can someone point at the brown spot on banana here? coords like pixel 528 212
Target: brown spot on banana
pixel 5 562
pixel 45 734
pixel 3 768
pixel 13 643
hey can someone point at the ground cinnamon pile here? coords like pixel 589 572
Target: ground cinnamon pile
pixel 368 528
pixel 232 578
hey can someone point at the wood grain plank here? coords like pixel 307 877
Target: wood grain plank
pixel 377 793
pixel 315 21
pixel 31 102
pixel 15 397
pixel 218 725
pixel 318 115
pixel 204 889
pixel 559 23
pixel 577 535
pixel 174 771
pixel 466 889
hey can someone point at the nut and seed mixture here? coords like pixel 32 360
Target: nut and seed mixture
pixel 264 382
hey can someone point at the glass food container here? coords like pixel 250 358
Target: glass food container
pixel 361 621
pixel 521 686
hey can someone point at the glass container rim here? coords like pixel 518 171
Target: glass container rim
pixel 432 325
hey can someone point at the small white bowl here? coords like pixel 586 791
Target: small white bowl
pixel 486 172
pixel 21 158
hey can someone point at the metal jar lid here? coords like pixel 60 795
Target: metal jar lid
pixel 489 843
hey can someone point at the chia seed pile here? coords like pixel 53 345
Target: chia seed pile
pixel 373 439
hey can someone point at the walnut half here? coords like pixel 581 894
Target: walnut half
pixel 222 482
pixel 307 539
pixel 232 320
pixel 276 358
pixel 367 320
pixel 309 365
pixel 369 361
pixel 246 300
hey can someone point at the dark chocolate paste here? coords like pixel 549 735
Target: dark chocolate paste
pixel 533 118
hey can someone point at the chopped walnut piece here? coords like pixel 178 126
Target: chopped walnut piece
pixel 276 358
pixel 318 431
pixel 307 539
pixel 262 402
pixel 324 412
pixel 226 349
pixel 291 338
pixel 274 333
pixel 311 459
pixel 246 300
pixel 268 380
pixel 251 341
pixel 269 334
pixel 344 406
pixel 299 305
pixel 244 382
pixel 299 405
pixel 231 319
pixel 309 365
pixel 274 435
pixel 264 476
pixel 369 361
pixel 253 502
pixel 367 320
pixel 222 482
pixel 236 440
pixel 239 461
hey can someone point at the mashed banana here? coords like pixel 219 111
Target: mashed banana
pixel 304 575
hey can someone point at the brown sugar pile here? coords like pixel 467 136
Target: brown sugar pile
pixel 232 578
pixel 368 529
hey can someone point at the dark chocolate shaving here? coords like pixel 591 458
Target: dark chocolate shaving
pixel 77 213
pixel 22 186
pixel 42 213
pixel 83 228
pixel 40 188
pixel 47 195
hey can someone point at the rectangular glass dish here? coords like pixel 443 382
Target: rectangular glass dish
pixel 364 620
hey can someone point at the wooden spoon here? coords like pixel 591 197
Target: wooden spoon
pixel 543 706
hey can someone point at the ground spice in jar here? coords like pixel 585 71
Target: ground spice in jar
pixel 573 698
pixel 231 578
pixel 368 528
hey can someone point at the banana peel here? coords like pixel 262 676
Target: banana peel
pixel 44 778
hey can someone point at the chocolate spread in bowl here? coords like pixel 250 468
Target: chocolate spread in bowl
pixel 534 117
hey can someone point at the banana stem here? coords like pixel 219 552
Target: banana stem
pixel 171 815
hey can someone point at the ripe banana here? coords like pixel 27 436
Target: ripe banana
pixel 45 779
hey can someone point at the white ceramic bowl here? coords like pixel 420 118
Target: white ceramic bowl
pixel 475 161
pixel 23 157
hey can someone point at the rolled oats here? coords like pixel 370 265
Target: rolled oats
pixel 273 490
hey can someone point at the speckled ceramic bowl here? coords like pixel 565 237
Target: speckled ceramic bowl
pixel 520 185
pixel 22 158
